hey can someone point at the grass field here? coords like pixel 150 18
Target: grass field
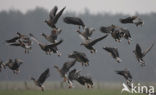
pixel 64 92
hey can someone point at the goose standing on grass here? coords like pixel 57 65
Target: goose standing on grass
pixel 84 80
pixel 127 75
pixel 14 65
pixel 52 38
pixel 39 82
pixel 89 44
pixel 80 57
pixel 114 53
pixel 48 48
pixel 133 20
pixel 75 21
pixel 65 68
pixel 86 33
pixel 53 17
pixel 139 54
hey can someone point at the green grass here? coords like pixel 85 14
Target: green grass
pixel 64 92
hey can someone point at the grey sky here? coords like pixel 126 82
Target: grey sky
pixel 95 6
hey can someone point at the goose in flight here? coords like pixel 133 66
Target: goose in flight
pixel 133 20
pixel 114 53
pixel 48 48
pixel 127 75
pixel 83 80
pixel 54 16
pixel 65 68
pixel 42 78
pixel 53 36
pixel 139 54
pixel 74 21
pixel 14 65
pixel 80 57
pixel 86 33
pixel 89 44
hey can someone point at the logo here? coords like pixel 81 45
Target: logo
pixel 138 89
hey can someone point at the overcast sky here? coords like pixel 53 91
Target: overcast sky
pixel 95 6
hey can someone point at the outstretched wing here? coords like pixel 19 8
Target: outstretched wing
pixel 57 16
pixel 74 21
pixel 138 49
pixel 97 40
pixel 43 76
pixel 55 44
pixel 53 12
pixel 147 50
pixel 12 40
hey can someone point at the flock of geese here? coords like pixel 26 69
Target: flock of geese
pixel 68 75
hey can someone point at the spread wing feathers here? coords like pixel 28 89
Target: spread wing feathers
pixel 113 51
pixel 12 40
pixel 15 44
pixel 74 20
pixel 147 50
pixel 68 65
pixel 138 49
pixel 104 29
pixel 126 74
pixel 55 44
pixel 57 16
pixel 97 40
pixel 53 12
pixel 43 76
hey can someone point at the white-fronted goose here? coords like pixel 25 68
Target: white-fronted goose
pixel 133 20
pixel 65 68
pixel 114 53
pixel 14 65
pixel 39 82
pixel 80 57
pixel 53 17
pixel 89 44
pixel 48 48
pixel 127 75
pixel 53 36
pixel 139 54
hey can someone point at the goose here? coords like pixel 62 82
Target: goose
pixel 80 57
pixel 114 53
pixel 127 75
pixel 26 45
pixel 42 78
pixel 126 34
pixel 75 21
pixel 86 33
pixel 133 19
pixel 14 65
pixel 53 17
pixel 48 48
pixel 83 80
pixel 65 68
pixel 53 36
pixel 73 75
pixel 139 54
pixel 16 38
pixel 89 44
